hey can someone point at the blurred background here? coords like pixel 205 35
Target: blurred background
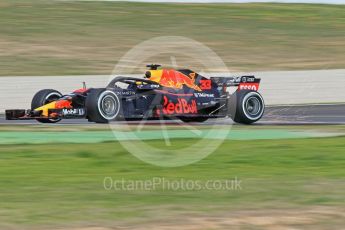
pixel 89 37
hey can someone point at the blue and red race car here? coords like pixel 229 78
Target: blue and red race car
pixel 162 93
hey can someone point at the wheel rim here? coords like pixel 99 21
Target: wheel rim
pixel 108 105
pixel 253 106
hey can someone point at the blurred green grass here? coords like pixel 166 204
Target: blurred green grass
pixel 56 184
pixel 60 37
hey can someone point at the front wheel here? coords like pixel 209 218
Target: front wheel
pixel 102 105
pixel 43 97
pixel 246 106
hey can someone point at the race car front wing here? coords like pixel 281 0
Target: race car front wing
pixel 22 114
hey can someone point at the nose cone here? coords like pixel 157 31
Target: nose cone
pixel 45 108
pixel 50 105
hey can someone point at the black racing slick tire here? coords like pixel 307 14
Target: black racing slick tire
pixel 246 106
pixel 102 105
pixel 44 97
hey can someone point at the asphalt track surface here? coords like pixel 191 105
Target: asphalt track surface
pixel 328 114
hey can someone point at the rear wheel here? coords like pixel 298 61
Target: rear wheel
pixel 44 97
pixel 102 106
pixel 246 106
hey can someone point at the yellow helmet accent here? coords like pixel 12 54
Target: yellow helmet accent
pixel 156 75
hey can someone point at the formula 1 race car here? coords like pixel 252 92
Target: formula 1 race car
pixel 162 93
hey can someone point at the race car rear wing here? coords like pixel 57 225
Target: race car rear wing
pixel 243 82
pixel 235 81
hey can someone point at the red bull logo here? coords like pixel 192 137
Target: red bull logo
pixel 180 107
pixel 174 79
